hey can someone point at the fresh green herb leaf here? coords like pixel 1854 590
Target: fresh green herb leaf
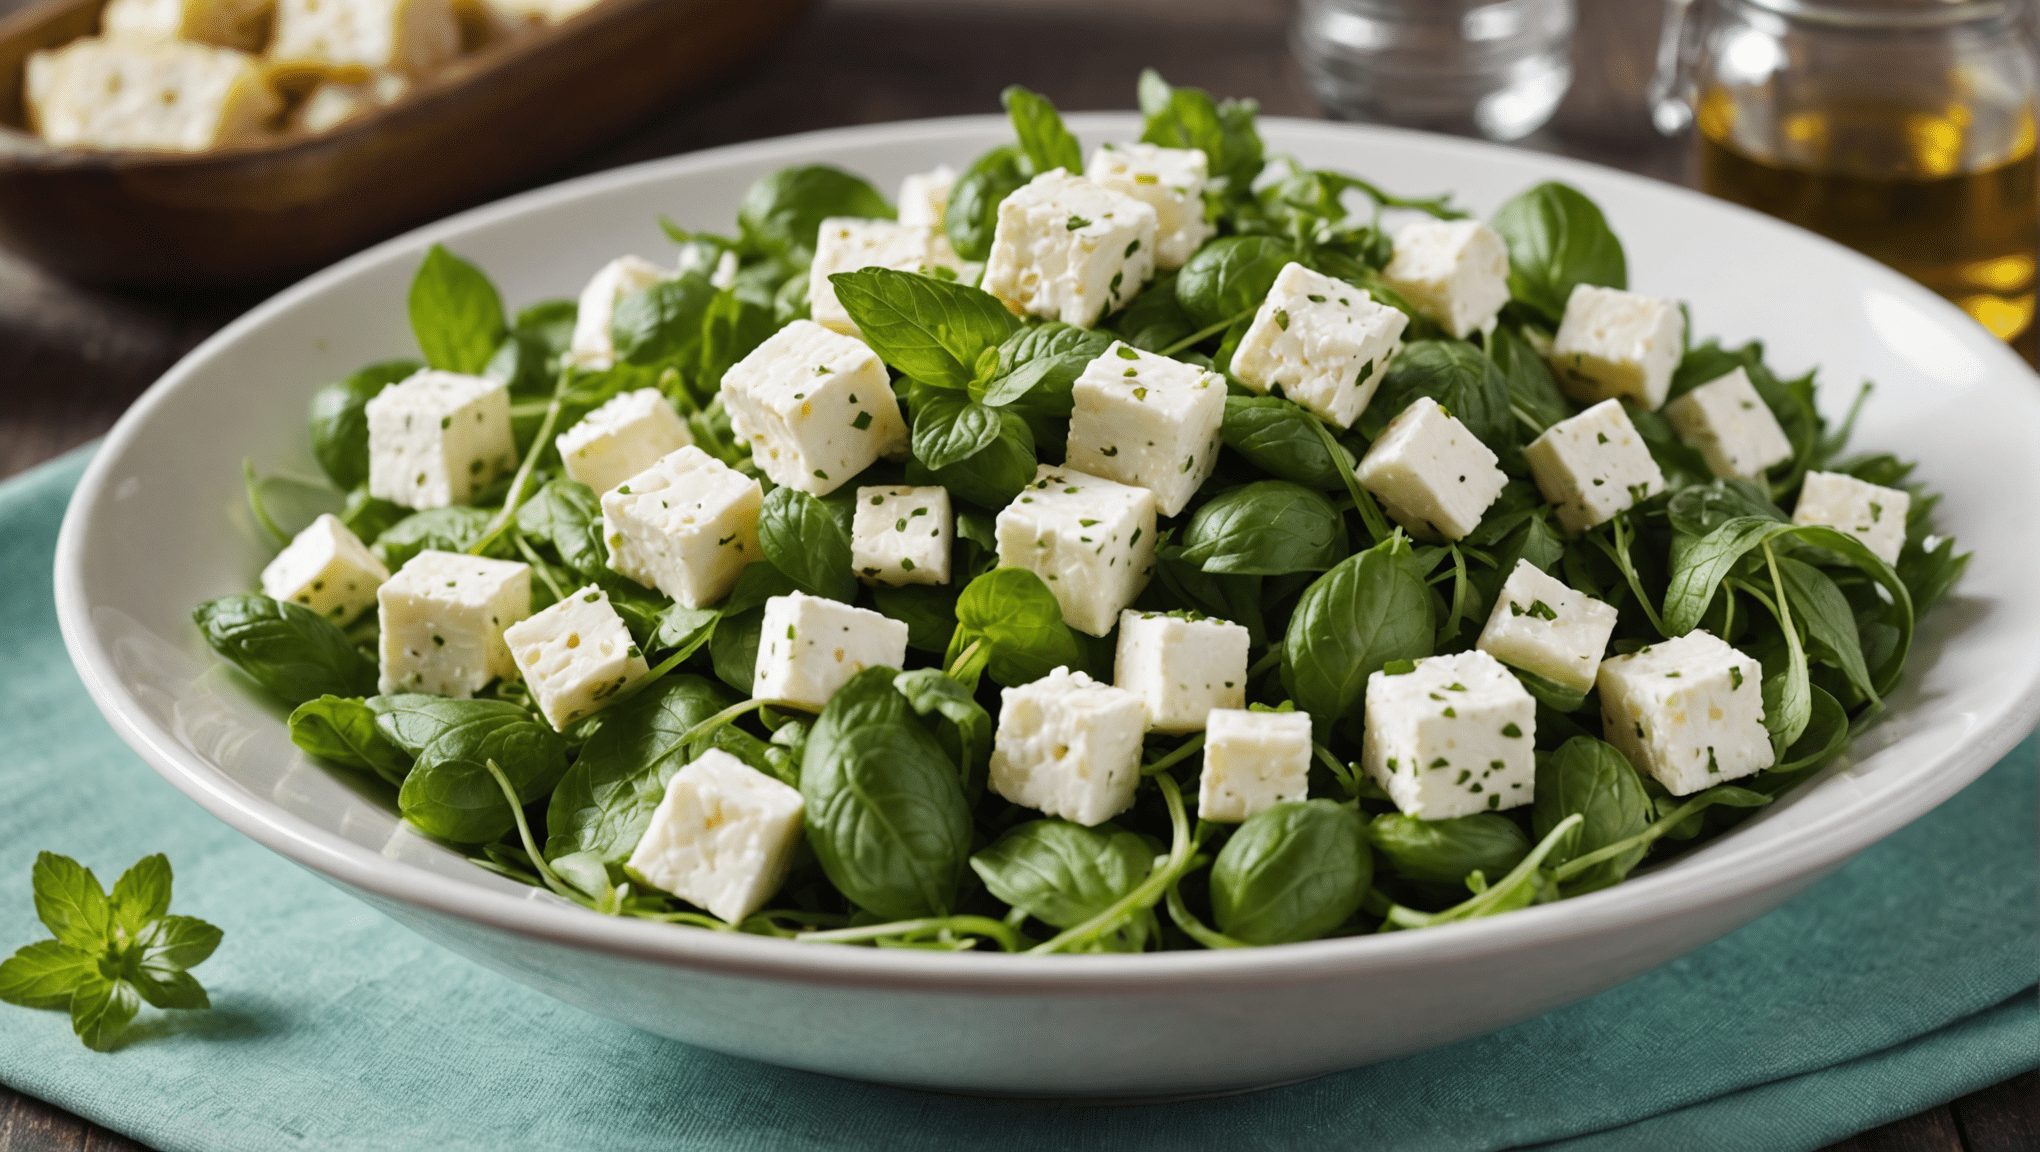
pixel 455 313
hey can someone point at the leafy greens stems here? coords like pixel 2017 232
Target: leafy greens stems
pixel 545 872
pixel 1721 794
pixel 1345 776
pixel 1170 869
pixel 1182 752
pixel 514 498
pixel 539 566
pixel 1370 513
pixel 1516 889
pixel 1625 538
pixel 1203 334
pixel 253 483
pixel 1193 927
pixel 910 930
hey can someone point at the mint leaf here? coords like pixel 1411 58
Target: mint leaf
pixel 101 1009
pixel 43 974
pixel 70 902
pixel 141 894
pixel 169 987
pixel 455 313
pixel 178 942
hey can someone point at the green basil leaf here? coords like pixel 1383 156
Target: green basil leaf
pixel 1558 240
pixel 972 215
pixel 455 528
pixel 1229 276
pixel 1276 435
pixel 43 974
pixel 932 330
pixel 142 893
pixel 1456 375
pixel 1225 132
pixel 344 731
pixel 568 515
pixel 292 651
pixel 1043 138
pixel 1062 874
pixel 965 728
pixel 413 720
pixel 949 428
pixel 661 323
pixel 451 794
pixel 1268 528
pixel 800 538
pixel 339 420
pixel 368 517
pixel 1445 852
pixel 1292 872
pixel 731 329
pixel 1697 510
pixel 1829 620
pixel 604 803
pixel 101 1009
pixel 1039 364
pixel 177 942
pixel 782 212
pixel 992 477
pixel 1590 779
pixel 1019 622
pixel 1531 387
pixel 1372 608
pixel 455 313
pixel 928 611
pixel 549 324
pixel 1155 321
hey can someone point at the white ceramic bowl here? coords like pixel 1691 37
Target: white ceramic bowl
pixel 158 525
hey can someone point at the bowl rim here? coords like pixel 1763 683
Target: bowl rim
pixel 1733 876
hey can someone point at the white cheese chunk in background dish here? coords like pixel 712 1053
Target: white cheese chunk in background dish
pixel 334 102
pixel 901 535
pixel 816 406
pixel 1180 667
pixel 575 656
pixel 242 24
pixel 1542 626
pixel 443 616
pixel 1252 762
pixel 1091 540
pixel 809 646
pixel 849 243
pixel 1069 249
pixel 1453 737
pixel 353 37
pixel 687 526
pixel 437 437
pixel 924 196
pixel 1870 512
pixel 1456 272
pixel 1592 466
pixel 1323 342
pixel 326 568
pixel 626 435
pixel 172 96
pixel 1069 746
pixel 1432 475
pixel 1613 344
pixel 1690 712
pixel 1729 424
pixel 1169 180
pixel 592 345
pixel 722 838
pixel 1147 420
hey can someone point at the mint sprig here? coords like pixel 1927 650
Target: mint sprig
pixel 111 954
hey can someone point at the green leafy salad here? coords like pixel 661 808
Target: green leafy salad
pixel 1183 548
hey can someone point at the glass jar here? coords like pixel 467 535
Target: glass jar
pixel 1902 128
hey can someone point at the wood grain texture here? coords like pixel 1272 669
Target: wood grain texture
pixel 71 358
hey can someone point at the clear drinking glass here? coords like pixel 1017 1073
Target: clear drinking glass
pixel 1902 128
pixel 1493 68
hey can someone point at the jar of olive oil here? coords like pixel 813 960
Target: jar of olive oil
pixel 1902 128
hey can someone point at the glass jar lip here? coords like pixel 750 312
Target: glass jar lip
pixel 1888 15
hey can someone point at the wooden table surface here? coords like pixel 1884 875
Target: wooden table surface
pixel 76 357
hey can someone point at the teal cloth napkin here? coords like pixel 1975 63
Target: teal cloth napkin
pixel 1904 980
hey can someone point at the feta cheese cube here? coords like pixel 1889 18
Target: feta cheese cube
pixel 1181 668
pixel 1253 761
pixel 901 535
pixel 1455 272
pixel 1169 180
pixel 1872 513
pixel 327 569
pixel 242 24
pixel 443 616
pixel 1431 474
pixel 1453 737
pixel 687 526
pixel 1613 343
pixel 924 196
pixel 1542 626
pixel 414 37
pixel 1069 746
pixel 437 437
pixel 1091 540
pixel 575 656
pixel 172 96
pixel 1147 420
pixel 722 838
pixel 1323 342
pixel 333 103
pixel 1688 711
pixel 593 346
pixel 809 646
pixel 1069 249
pixel 1731 426
pixel 816 406
pixel 1592 466
pixel 628 434
pixel 848 243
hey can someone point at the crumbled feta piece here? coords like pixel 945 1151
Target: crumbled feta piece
pixel 327 569
pixel 817 407
pixel 1592 466
pixel 575 656
pixel 170 96
pixel 1453 737
pixel 900 535
pixel 924 196
pixel 242 24
pixel 1454 271
pixel 1542 626
pixel 593 346
pixel 1069 249
pixel 1613 343
pixel 722 838
pixel 1731 426
pixel 1325 343
pixel 1091 540
pixel 809 646
pixel 333 102
pixel 1688 711
pixel 1872 513
pixel 1431 474
pixel 436 437
pixel 1069 746
pixel 538 12
pixel 443 616
pixel 687 526
pixel 628 434
pixel 1181 668
pixel 414 37
pixel 1169 180
pixel 848 243
pixel 1253 761
pixel 1147 420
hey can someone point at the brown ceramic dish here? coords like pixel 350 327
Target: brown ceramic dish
pixel 247 214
